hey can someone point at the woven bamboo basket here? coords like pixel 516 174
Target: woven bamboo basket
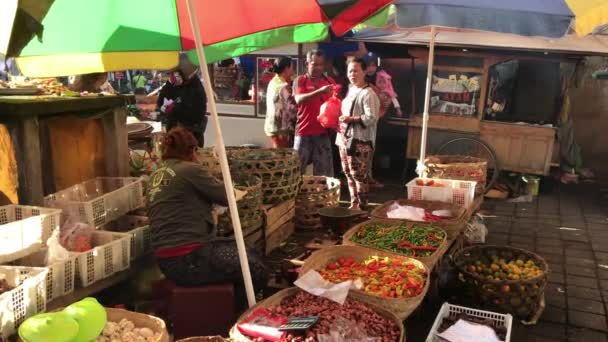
pixel 279 170
pixel 278 297
pixel 316 192
pixel 429 261
pixel 208 159
pixel 401 307
pixel 249 207
pixel 140 320
pixel 453 226
pixel 459 168
pixel 204 339
pixel 524 298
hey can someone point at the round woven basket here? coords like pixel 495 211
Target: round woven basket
pixel 209 161
pixel 316 192
pixel 429 261
pixel 204 339
pixel 276 299
pixel 401 307
pixel 453 226
pixel 140 320
pixel 523 298
pixel 249 207
pixel 279 170
pixel 465 168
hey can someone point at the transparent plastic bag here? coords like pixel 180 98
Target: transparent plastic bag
pixel 76 236
pixel 56 252
pixel 345 330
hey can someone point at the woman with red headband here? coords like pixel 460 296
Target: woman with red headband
pixel 180 199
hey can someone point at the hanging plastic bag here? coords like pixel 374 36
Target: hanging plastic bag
pixel 331 110
pixel 76 236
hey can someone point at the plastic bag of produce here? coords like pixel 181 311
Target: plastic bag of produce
pixel 331 110
pixel 76 236
pixel 345 330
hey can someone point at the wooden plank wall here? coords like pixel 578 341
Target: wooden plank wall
pixel 8 169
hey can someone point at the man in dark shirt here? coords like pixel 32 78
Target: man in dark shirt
pixel 189 106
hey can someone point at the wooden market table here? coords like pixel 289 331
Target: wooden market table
pixel 48 143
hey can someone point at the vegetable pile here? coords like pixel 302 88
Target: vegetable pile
pixel 500 269
pixel 417 241
pixel 386 277
pixel 305 304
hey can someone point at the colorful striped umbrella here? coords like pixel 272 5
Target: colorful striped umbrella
pixel 82 36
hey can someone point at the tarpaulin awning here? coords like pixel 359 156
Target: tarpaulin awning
pixel 549 18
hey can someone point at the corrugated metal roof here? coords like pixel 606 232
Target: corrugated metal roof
pixel 571 44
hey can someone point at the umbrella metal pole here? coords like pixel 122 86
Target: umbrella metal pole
pixel 234 214
pixel 421 168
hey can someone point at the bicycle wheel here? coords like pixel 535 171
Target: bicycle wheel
pixel 475 148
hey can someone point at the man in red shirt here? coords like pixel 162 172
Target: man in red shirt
pixel 312 140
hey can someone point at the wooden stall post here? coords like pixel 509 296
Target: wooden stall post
pixel 26 140
pixel 116 142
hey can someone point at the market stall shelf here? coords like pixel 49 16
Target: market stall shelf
pixel 453 225
pixel 53 134
pixel 402 307
pixel 277 299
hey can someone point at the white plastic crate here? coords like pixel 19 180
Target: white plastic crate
pixel 25 300
pixel 111 254
pixel 60 277
pixel 137 226
pixel 25 229
pixel 448 309
pixel 459 192
pixel 100 200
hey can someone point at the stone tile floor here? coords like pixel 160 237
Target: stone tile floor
pixel 569 228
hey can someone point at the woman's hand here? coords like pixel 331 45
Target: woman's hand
pixel 347 119
pixel 239 194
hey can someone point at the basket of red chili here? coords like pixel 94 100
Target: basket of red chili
pixel 396 283
pixel 424 242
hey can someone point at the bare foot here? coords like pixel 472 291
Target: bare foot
pixel 354 207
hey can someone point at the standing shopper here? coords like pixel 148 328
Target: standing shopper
pixel 188 107
pixel 312 140
pixel 280 105
pixel 357 135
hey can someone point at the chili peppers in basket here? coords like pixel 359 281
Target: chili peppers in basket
pixel 386 277
pixel 415 241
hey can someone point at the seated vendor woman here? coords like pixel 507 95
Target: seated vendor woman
pixel 180 199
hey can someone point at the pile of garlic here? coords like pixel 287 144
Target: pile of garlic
pixel 125 331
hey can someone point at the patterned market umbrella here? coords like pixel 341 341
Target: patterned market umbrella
pixel 84 36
